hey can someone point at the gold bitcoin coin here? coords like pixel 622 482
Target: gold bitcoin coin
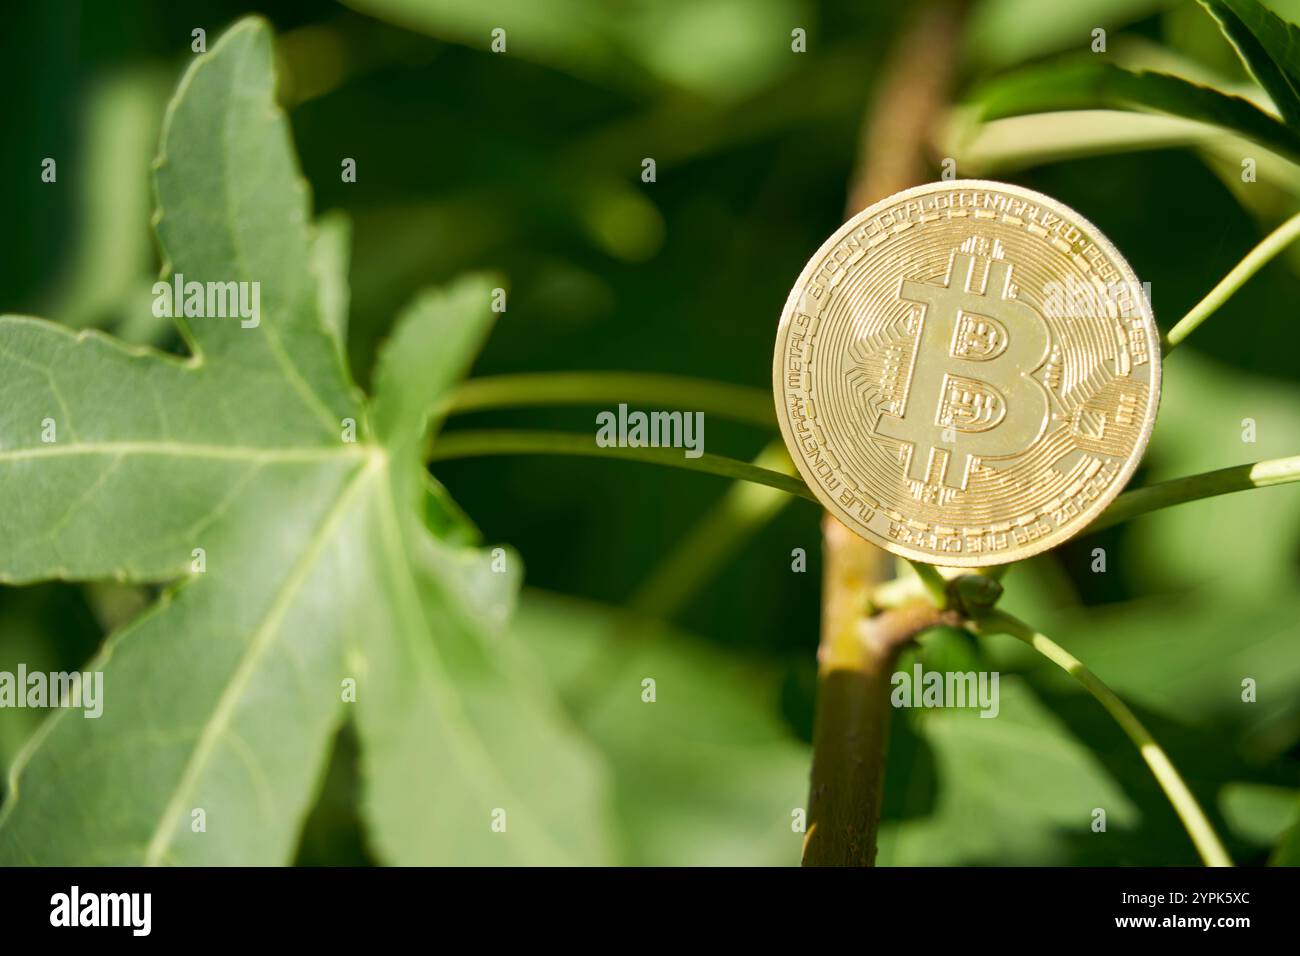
pixel 967 373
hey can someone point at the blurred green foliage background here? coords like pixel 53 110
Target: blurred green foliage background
pixel 530 163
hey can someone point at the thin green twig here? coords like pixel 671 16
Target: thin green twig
pixel 1255 260
pixel 1138 501
pixel 935 586
pixel 1198 827
pixel 738 514
pixel 466 444
pixel 737 402
pixel 1261 474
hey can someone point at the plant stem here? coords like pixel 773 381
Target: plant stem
pixel 1139 501
pixel 468 444
pixel 857 652
pixel 1255 260
pixel 737 402
pixel 850 726
pixel 1184 803
pixel 855 661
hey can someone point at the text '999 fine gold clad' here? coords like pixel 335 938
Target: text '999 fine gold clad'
pixel 967 373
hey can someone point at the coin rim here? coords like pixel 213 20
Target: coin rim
pixel 965 560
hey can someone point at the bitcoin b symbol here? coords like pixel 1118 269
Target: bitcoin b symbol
pixel 969 390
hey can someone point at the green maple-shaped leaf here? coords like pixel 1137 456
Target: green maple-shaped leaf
pixel 316 565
